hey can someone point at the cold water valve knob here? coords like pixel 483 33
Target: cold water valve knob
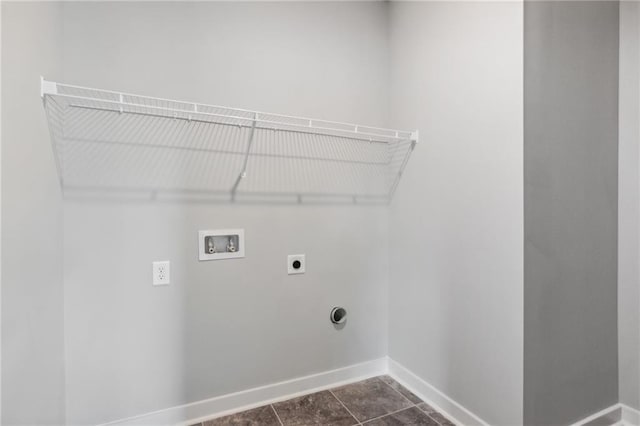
pixel 338 315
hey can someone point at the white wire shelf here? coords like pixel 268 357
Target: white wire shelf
pixel 114 143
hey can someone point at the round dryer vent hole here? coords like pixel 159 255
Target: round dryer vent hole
pixel 338 315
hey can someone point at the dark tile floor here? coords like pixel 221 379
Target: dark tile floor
pixel 379 401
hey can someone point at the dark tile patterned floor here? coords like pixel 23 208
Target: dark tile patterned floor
pixel 379 401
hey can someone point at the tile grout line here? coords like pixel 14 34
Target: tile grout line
pixel 345 407
pixel 434 419
pixel 398 411
pixel 389 414
pixel 411 402
pixel 399 393
pixel 441 424
pixel 276 413
pixel 365 422
pixel 412 405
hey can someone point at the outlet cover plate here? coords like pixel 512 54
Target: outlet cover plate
pixel 161 273
pixel 291 259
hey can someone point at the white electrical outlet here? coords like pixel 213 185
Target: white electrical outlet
pixel 296 264
pixel 161 273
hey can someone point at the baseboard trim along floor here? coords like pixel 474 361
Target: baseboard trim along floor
pixel 255 397
pixel 630 416
pixel 434 397
pixel 617 415
pixel 244 400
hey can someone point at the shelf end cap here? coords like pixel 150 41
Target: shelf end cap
pixel 47 87
pixel 414 137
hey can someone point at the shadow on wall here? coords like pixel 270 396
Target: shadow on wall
pixel 126 147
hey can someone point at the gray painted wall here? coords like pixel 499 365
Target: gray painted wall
pixel 629 206
pixel 570 151
pixel 222 326
pixel 455 296
pixel 32 285
pixel 456 223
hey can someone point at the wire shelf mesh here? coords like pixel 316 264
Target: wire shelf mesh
pixel 116 142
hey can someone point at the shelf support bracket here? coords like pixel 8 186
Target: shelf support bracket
pixel 413 140
pixel 243 173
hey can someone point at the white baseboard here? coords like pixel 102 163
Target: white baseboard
pixel 616 415
pixel 434 397
pixel 239 401
pixel 196 412
pixel 609 416
pixel 630 416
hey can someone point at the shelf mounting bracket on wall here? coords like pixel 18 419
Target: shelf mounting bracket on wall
pixel 243 173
